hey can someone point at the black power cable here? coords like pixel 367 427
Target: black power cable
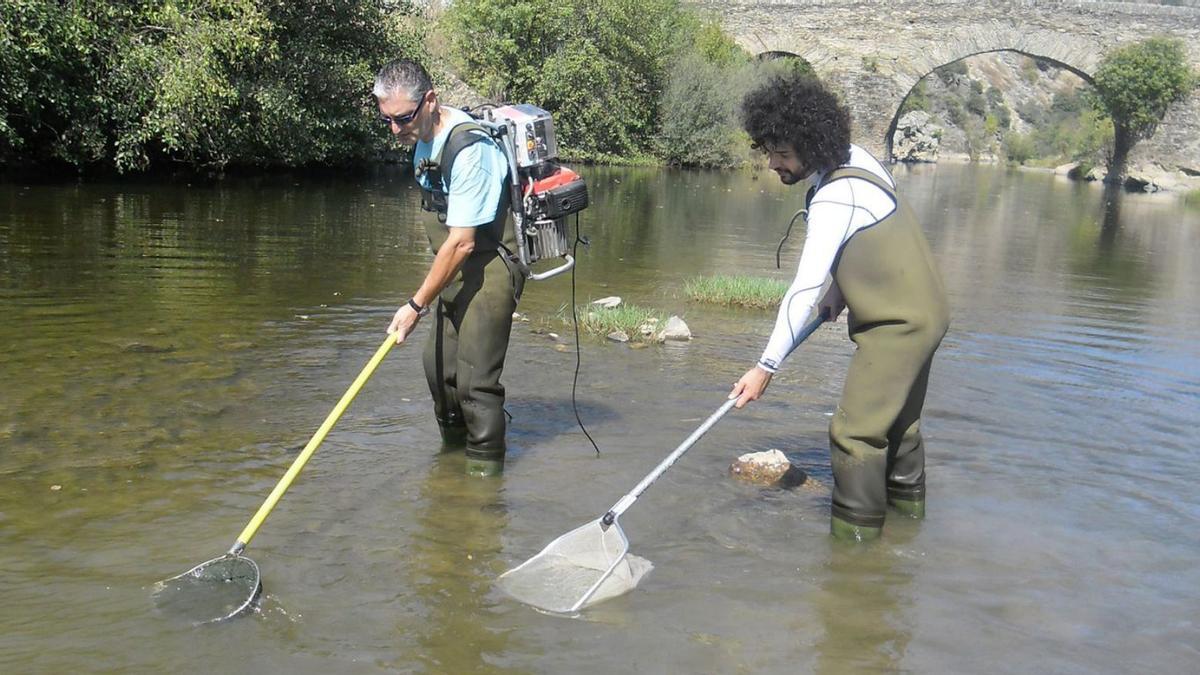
pixel 579 238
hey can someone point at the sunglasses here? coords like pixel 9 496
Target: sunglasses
pixel 401 120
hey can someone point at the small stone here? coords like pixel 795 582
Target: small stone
pixel 562 348
pixel 55 488
pixel 609 302
pixel 675 329
pixel 618 336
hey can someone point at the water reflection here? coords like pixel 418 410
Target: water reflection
pixel 452 567
pixel 864 605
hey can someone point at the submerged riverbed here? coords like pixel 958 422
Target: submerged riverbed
pixel 168 348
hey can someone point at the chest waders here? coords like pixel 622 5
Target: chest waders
pixel 464 356
pixel 898 314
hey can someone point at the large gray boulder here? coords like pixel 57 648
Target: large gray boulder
pixel 917 138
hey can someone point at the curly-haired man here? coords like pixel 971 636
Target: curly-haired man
pixel 865 251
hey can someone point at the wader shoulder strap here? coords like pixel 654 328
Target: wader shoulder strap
pixel 462 136
pixel 854 172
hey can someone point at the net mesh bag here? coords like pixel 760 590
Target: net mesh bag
pixel 581 568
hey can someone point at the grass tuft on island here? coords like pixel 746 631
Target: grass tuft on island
pixel 625 317
pixel 744 291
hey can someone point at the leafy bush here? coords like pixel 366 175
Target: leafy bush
pixel 976 103
pixel 955 112
pixel 1019 148
pixel 1029 70
pixel 952 73
pixel 917 99
pixel 601 66
pixel 699 115
pixel 699 107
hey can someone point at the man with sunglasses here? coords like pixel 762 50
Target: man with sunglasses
pixel 472 287
pixel 864 251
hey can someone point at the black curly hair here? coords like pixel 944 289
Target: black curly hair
pixel 798 110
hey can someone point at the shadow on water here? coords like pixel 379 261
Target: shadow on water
pixel 537 420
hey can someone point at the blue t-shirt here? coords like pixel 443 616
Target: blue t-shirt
pixel 480 174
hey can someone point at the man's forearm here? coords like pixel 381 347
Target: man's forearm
pixel 448 261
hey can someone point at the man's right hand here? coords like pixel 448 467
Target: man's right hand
pixel 403 323
pixel 751 386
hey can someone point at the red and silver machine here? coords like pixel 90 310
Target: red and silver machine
pixel 544 192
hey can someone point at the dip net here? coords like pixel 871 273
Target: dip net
pixel 585 566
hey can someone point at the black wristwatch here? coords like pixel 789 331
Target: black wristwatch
pixel 421 311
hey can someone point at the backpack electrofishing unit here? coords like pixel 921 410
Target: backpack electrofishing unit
pixel 542 191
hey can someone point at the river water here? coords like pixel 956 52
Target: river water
pixel 169 347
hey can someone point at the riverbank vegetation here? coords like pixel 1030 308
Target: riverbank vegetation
pixel 217 83
pixel 209 84
pixel 741 290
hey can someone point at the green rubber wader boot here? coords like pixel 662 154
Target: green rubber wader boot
pixel 485 461
pixel 907 500
pixel 913 508
pixel 845 531
pixel 484 467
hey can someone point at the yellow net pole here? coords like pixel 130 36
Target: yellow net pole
pixel 284 483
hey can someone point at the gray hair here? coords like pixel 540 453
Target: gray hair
pixel 403 76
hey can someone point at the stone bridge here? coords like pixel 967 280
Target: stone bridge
pixel 876 51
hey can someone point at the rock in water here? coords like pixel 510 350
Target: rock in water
pixel 675 329
pixel 771 468
pixel 917 138
pixel 610 302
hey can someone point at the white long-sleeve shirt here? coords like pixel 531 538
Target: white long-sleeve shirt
pixel 837 210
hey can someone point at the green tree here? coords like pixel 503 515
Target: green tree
pixel 1135 85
